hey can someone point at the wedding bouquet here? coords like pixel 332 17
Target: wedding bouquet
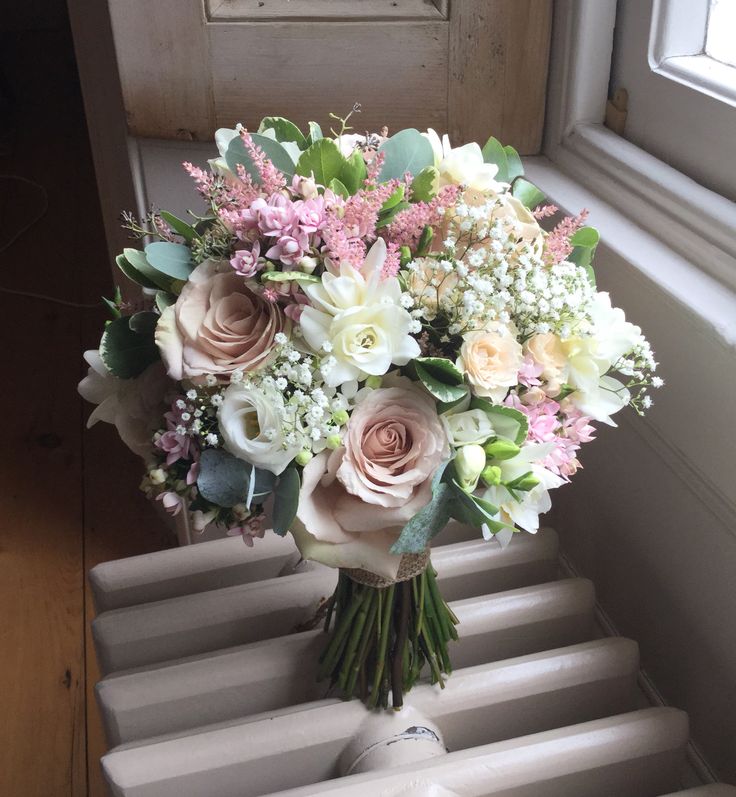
pixel 375 335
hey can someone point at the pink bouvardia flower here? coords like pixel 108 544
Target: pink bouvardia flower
pixel 251 529
pixel 172 502
pixel 530 372
pixel 246 261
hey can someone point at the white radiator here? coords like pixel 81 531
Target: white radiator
pixel 209 692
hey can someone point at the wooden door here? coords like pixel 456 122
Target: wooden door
pixel 467 67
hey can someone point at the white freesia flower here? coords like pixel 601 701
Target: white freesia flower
pixel 361 317
pixel 524 509
pixel 603 400
pixel 133 406
pixel 467 427
pixel 251 421
pixel 462 165
pixel 615 336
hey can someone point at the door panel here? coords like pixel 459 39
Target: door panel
pixel 468 67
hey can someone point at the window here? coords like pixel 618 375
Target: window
pixel 720 36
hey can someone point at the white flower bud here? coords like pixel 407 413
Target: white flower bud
pixel 157 476
pixel 469 464
pixel 307 264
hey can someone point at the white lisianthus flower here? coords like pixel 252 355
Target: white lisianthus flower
pixel 133 406
pixel 462 165
pixel 361 318
pixel 468 427
pixel 251 421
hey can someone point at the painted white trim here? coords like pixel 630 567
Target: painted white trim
pixel 697 223
pixel 701 73
pixel 678 28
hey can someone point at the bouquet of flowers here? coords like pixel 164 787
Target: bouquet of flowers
pixel 375 335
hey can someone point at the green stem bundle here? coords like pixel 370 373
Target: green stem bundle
pixel 382 639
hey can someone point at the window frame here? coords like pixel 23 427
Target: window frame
pixel 694 221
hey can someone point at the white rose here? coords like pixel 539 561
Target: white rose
pixel 491 361
pixel 546 350
pixel 467 427
pixel 251 422
pixel 462 165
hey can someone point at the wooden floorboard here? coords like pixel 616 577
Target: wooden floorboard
pixel 68 497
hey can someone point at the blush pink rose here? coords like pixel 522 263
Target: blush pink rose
pixel 355 500
pixel 218 325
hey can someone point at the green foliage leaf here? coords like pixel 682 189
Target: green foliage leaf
pixel 139 262
pixel 263 482
pixel 396 197
pixel 164 300
pixel 440 390
pixel 425 185
pixel 514 168
pixel 494 152
pixel 471 509
pixel 584 243
pixel 315 133
pixel 527 193
pixel 387 217
pixel 406 151
pixel 173 260
pixel 427 523
pixel 441 369
pixel 507 422
pixel 338 188
pixel 237 154
pixel 125 351
pixel 112 306
pixel 286 500
pixel 284 130
pixel 322 160
pixel 134 274
pixel 223 479
pixel 354 172
pixel 187 232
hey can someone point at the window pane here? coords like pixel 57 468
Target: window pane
pixel 720 40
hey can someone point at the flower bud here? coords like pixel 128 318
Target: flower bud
pixel 491 475
pixel 308 188
pixel 501 449
pixel 200 520
pixel 307 264
pixel 469 463
pixel 373 382
pixel 303 456
pixel 157 476
pixel 334 441
pixel 340 417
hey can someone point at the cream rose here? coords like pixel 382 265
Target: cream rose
pixel 355 500
pixel 491 361
pixel 218 325
pixel 251 421
pixel 546 350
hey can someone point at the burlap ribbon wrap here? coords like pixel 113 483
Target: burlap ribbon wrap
pixel 411 565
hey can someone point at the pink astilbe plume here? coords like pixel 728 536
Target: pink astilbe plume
pixel 374 169
pixel 545 211
pixel 272 180
pixel 221 192
pixel 392 262
pixel 557 246
pixel 349 227
pixel 407 226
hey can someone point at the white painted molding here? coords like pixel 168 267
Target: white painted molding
pixel 697 223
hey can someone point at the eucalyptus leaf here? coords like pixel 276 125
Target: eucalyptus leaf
pixel 134 274
pixel 284 130
pixel 173 260
pixel 180 227
pixel 321 160
pixel 527 193
pixel 237 154
pixel 126 352
pixel 493 152
pixel 140 264
pixel 262 484
pixel 164 300
pixel 427 523
pixel 286 500
pixel 406 151
pixel 223 479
